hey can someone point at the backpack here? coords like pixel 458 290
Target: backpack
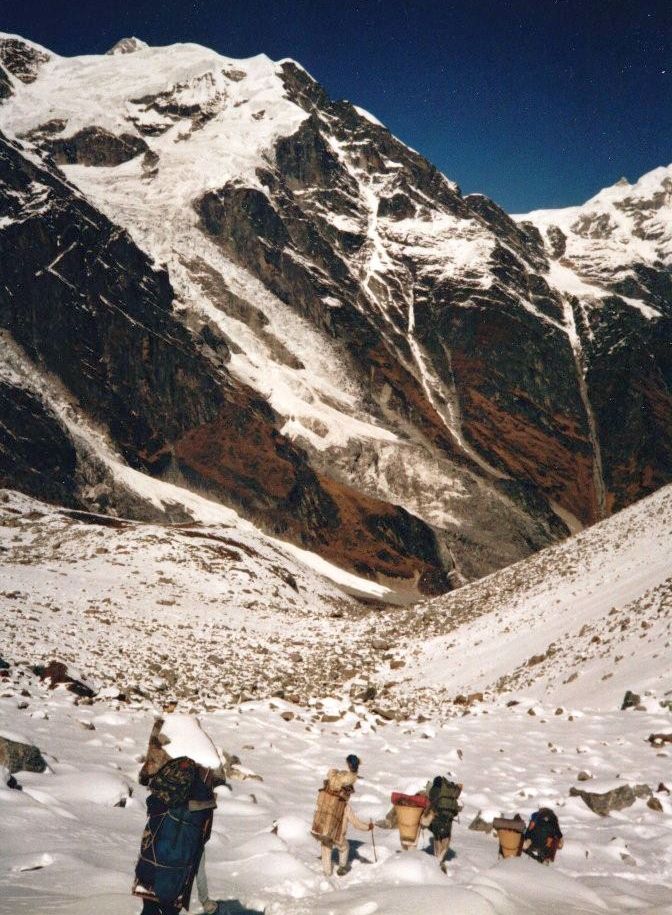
pixel 443 799
pixel 544 834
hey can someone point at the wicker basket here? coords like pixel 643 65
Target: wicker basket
pixel 408 822
pixel 328 819
pixel 510 835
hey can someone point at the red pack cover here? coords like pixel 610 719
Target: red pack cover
pixel 410 800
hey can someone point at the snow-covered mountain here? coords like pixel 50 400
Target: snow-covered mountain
pixel 620 243
pixel 303 318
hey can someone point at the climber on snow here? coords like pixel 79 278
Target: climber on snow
pixel 334 814
pixel 180 808
pixel 439 815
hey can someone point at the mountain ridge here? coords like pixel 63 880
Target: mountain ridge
pixel 422 347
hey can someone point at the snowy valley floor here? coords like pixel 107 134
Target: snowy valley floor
pixel 164 613
pixel 68 849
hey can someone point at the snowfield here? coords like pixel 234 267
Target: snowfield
pixel 535 733
pixel 72 848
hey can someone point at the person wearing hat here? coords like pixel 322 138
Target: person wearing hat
pixel 350 818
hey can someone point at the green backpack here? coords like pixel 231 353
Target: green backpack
pixel 443 799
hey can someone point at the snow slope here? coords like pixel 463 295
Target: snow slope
pixel 171 605
pixel 540 722
pixel 73 847
pixel 579 622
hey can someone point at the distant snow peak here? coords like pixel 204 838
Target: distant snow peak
pixel 128 46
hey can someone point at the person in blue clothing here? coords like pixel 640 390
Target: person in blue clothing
pixel 543 836
pixel 180 808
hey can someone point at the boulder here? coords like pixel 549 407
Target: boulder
pixel 56 673
pixel 478 824
pixel 615 799
pixel 389 821
pixel 386 714
pixel 630 700
pixel 20 757
pixel 657 740
pixel 380 644
pixel 8 780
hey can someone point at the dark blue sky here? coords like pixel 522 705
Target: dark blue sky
pixel 536 103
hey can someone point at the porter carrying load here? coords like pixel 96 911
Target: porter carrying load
pixel 334 814
pixel 443 808
pixel 543 837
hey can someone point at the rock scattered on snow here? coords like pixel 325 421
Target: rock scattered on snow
pixel 630 700
pixel 20 757
pixel 615 799
pixel 478 824
pixel 657 740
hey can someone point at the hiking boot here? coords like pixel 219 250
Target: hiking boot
pixel 210 907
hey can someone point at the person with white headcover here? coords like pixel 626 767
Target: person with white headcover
pixel 182 768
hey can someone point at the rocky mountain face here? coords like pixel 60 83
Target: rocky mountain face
pixel 618 248
pixel 259 292
pixel 85 304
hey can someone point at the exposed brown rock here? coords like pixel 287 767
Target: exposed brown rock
pixel 21 59
pixel 95 146
pixel 20 757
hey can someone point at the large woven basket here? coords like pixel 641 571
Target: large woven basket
pixel 329 813
pixel 510 835
pixel 408 823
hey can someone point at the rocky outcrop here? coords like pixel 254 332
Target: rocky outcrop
pixel 42 131
pixel 629 379
pixel 111 339
pixel 21 59
pixel 36 454
pixel 617 246
pixel 20 757
pixel 5 84
pixel 164 395
pixel 95 146
pixel 127 46
pixel 56 674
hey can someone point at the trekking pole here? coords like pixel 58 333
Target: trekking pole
pixel 373 842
